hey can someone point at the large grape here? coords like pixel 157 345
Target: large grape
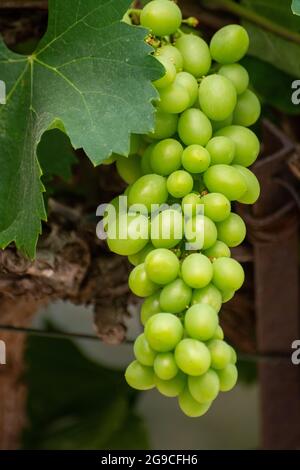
pixel 161 17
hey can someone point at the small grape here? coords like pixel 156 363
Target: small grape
pixel 165 366
pixel 142 351
pixel 180 183
pixel 195 159
pixel 172 387
pixel 140 284
pixel 150 307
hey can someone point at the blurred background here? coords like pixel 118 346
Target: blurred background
pixel 63 385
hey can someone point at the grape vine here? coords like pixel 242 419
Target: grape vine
pixel 193 165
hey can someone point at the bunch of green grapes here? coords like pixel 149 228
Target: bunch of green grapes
pixel 197 157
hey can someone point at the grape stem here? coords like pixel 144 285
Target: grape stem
pixel 134 11
pixel 253 17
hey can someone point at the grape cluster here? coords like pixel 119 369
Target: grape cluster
pixel 198 157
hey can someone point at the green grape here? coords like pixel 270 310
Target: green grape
pixel 175 297
pixel 227 295
pixel 201 322
pixel 145 160
pixel 246 144
pixel 165 125
pixel 139 377
pixel 110 160
pixel 228 377
pixel 201 232
pixel 140 256
pixel 163 332
pixel 162 266
pixel 172 387
pixel 169 76
pixel 232 230
pixel 194 127
pixel 190 407
pixel 233 359
pixel 220 353
pixel 195 53
pixel 205 388
pixel 139 282
pixel 208 295
pixel 166 157
pixel 135 144
pixel 228 274
pixel 221 150
pixel 247 110
pixel 217 125
pixel 129 168
pixel 195 159
pixel 150 307
pixel 253 188
pixel 190 83
pixel 191 205
pixel 237 74
pixel 226 180
pixel 219 333
pixel 161 17
pixel 148 190
pixel 133 240
pixel 142 351
pixel 165 366
pixel 217 97
pixel 229 44
pixel 192 356
pixel 174 99
pixel 197 271
pixel 167 229
pixel 174 55
pixel 216 206
pixel 180 183
pixel 218 250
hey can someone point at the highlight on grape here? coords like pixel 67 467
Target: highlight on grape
pixel 184 179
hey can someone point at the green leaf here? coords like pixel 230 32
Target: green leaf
pixel 268 46
pixel 272 85
pixel 56 155
pixel 74 403
pixel 296 7
pixel 92 72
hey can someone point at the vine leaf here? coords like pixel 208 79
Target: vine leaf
pixel 296 7
pixel 92 73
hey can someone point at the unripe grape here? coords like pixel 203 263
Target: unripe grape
pixel 218 250
pixel 247 110
pixel 161 17
pixel 162 266
pixel 173 387
pixel 166 156
pixel 228 274
pixel 237 74
pixel 216 206
pixel 197 271
pixel 174 99
pixel 246 144
pixel 221 150
pixel 195 53
pixel 208 295
pixel 148 190
pixel 201 322
pixel 180 183
pixel 190 406
pixel 165 125
pixel 169 75
pixel 194 127
pixel 142 351
pixel 150 307
pixel 167 229
pixel 232 230
pixel 165 366
pixel 205 388
pixel 201 232
pixel 192 356
pixel 229 44
pixel 175 297
pixel 217 97
pixel 189 82
pixel 220 353
pixel 228 378
pixel 253 188
pixel 171 53
pixel 226 180
pixel 163 332
pixel 139 377
pixel 132 242
pixel 139 282
pixel 195 159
